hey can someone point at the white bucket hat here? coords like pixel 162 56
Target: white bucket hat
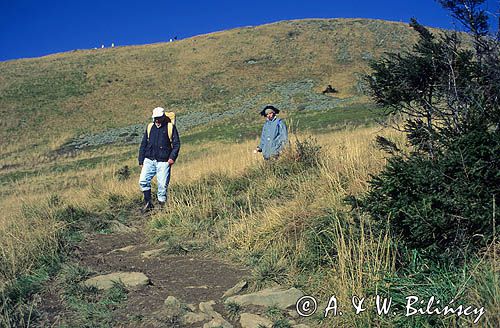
pixel 158 112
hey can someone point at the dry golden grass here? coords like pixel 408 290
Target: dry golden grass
pixel 349 153
pixel 25 237
pixel 228 159
pixel 350 157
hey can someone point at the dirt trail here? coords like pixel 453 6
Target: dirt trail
pixel 191 278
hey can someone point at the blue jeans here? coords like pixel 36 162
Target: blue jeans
pixel 162 171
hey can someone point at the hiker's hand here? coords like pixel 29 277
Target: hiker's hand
pixel 255 151
pixel 140 165
pixel 171 161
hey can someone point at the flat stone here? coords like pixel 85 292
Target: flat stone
pixel 248 320
pixel 126 249
pixel 118 227
pixel 197 287
pixel 218 323
pixel 282 298
pixel 236 289
pixel 207 308
pixel 152 253
pixel 129 279
pixel 191 318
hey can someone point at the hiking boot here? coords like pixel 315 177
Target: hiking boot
pixel 148 204
pixel 147 207
pixel 161 205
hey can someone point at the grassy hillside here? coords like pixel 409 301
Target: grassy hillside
pixel 57 97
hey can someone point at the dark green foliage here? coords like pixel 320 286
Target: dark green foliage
pixel 441 283
pixel 123 173
pixel 320 239
pixel 443 206
pixel 14 309
pixel 440 197
pixel 270 270
pixel 443 87
pixel 79 220
pixel 462 10
pixel 281 323
pixel 308 152
pixel 278 317
pixel 303 156
pixel 233 310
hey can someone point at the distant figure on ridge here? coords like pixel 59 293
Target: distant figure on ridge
pixel 274 137
pixel 158 151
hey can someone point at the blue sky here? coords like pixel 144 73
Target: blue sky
pixel 35 28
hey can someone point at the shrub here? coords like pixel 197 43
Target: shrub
pixel 303 155
pixel 444 206
pixel 440 197
pixel 123 173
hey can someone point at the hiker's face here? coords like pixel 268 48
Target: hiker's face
pixel 270 115
pixel 158 121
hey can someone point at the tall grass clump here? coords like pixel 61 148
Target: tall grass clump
pixel 29 248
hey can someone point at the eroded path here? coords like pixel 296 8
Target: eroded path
pixel 191 278
pixel 158 288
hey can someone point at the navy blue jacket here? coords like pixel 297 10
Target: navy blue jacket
pixel 158 146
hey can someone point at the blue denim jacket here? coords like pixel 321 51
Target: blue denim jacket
pixel 274 137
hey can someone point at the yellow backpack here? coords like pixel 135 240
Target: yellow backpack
pixel 170 125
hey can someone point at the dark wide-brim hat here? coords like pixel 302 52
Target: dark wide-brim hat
pixel 274 109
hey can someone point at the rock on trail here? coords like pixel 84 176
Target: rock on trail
pixel 128 279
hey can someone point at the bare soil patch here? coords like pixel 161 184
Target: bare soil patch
pixel 192 278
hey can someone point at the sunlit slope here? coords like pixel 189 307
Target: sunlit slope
pixel 83 91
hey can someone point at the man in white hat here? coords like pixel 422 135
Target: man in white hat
pixel 157 154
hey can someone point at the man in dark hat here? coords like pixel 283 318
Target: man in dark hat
pixel 274 137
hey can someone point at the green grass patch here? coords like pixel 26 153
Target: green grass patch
pixel 17 305
pixel 328 120
pixel 50 86
pixel 68 166
pixel 246 127
pixel 230 131
pixel 89 307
